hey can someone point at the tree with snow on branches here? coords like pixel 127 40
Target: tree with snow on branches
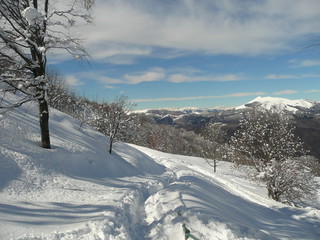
pixel 265 145
pixel 29 30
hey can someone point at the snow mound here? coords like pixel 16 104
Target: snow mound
pixel 279 104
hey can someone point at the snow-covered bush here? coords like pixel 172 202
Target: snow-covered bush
pixel 288 181
pixel 265 145
pixel 312 163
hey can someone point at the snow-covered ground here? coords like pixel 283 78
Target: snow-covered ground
pixel 77 190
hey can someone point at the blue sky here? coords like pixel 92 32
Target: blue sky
pixel 198 53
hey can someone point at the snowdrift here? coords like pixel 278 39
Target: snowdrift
pixel 77 190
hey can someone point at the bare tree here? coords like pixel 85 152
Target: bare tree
pixel 111 119
pixel 61 97
pixel 29 29
pixel 266 143
pixel 59 93
pixel 214 147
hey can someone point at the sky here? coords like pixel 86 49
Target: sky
pixel 197 53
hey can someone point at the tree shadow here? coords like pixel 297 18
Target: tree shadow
pixel 9 171
pixel 51 213
pixel 215 202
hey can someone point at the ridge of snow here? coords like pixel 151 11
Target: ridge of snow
pixel 280 104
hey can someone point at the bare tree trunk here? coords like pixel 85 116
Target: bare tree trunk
pixel 44 123
pixel 41 95
pixel 273 194
pixel 110 146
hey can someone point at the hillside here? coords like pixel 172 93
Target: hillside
pixel 77 190
pixel 305 116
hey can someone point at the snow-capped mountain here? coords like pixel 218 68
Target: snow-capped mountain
pixel 279 104
pixel 196 116
pixel 305 116
pixel 180 111
pixel 268 103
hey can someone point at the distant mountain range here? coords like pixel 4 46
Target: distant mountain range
pixel 305 115
pixel 298 108
pixel 268 103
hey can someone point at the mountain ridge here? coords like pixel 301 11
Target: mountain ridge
pixel 280 104
pixel 268 102
pixel 303 114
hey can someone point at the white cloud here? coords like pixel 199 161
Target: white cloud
pixel 100 76
pixel 109 86
pixel 244 94
pixel 175 75
pixel 281 76
pixel 120 59
pixel 304 63
pixel 73 80
pixel 212 27
pixel 285 92
pixel 290 76
pixel 178 75
pixel 155 74
pixel 310 63
pixel 178 78
pixel 312 91
pixel 119 54
pixel 107 80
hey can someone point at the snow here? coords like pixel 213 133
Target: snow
pixel 41 49
pixel 280 104
pixel 31 15
pixel 77 190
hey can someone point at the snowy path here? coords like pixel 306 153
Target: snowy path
pixel 211 210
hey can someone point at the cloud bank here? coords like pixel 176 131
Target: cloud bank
pixel 182 75
pixel 134 28
pixel 245 94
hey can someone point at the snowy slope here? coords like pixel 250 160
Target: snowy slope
pixel 279 104
pixel 77 190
